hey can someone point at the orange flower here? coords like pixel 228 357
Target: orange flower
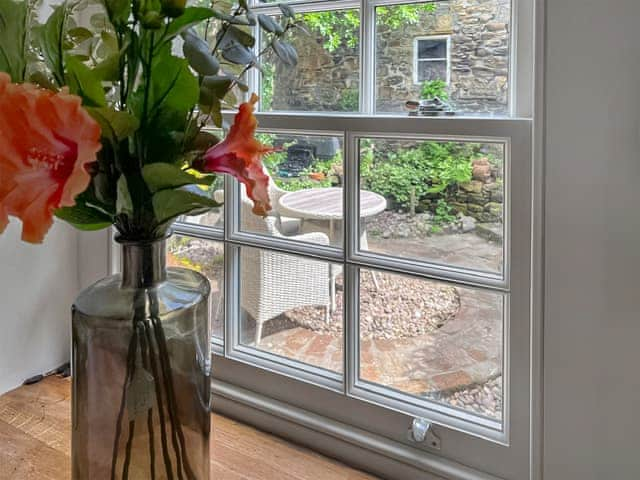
pixel 240 155
pixel 46 142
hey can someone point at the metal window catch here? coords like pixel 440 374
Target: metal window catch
pixel 421 431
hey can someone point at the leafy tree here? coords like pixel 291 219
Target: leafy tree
pixel 343 27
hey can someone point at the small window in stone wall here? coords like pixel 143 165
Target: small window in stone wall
pixel 431 59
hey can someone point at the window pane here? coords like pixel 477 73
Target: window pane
pixel 327 75
pixel 290 307
pixel 444 201
pixel 432 340
pixel 478 70
pixel 432 70
pixel 306 190
pixel 206 257
pixel 428 49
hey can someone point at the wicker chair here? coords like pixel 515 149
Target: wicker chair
pixel 274 283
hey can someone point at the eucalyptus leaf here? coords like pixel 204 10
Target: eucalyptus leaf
pixel 286 10
pixel 244 38
pixel 285 52
pixel 13 38
pixel 231 19
pixel 196 51
pixel 235 52
pixel 170 204
pixel 269 24
pixel 161 176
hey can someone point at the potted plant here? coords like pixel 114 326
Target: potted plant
pixel 103 122
pixel 434 97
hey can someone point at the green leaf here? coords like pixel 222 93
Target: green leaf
pixel 108 69
pixel 82 81
pixel 80 34
pixel 196 51
pixel 191 17
pixel 84 217
pixel 124 204
pixel 160 176
pixel 116 125
pixel 13 38
pixel 170 204
pixel 269 24
pixel 51 37
pixel 173 86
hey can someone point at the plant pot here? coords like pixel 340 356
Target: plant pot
pixel 141 371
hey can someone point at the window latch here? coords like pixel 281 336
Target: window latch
pixel 421 431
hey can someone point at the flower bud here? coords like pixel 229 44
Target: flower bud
pixel 152 20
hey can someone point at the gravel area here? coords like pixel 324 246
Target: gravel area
pixel 403 307
pixel 483 399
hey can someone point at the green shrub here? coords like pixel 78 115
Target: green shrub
pixel 429 168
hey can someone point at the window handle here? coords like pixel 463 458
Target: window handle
pixel 421 431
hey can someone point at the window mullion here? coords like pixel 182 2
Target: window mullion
pixel 367 58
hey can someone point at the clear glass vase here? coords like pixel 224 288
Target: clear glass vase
pixel 141 372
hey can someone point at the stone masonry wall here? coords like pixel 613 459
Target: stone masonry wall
pixel 479 32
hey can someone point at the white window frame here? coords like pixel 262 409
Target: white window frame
pixel 417 60
pixel 253 381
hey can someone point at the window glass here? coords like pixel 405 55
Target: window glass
pixel 432 340
pixel 462 46
pixel 292 306
pixel 306 190
pixel 444 201
pixel 327 75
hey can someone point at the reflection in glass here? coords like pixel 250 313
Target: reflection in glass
pixel 432 340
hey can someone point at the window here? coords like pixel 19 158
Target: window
pixel 431 59
pixel 393 278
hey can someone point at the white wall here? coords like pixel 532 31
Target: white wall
pixel 37 286
pixel 592 326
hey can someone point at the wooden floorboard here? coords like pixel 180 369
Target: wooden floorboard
pixel 35 443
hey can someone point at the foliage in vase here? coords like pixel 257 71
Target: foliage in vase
pixel 105 107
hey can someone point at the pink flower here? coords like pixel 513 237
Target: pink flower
pixel 240 155
pixel 46 142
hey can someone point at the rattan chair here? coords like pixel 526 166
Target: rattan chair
pixel 273 283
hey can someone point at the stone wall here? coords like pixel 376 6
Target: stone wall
pixel 479 32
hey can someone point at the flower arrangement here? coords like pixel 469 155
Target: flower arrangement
pixel 104 116
pixel 104 110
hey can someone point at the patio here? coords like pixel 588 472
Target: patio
pixel 456 360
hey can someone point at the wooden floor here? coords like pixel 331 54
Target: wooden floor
pixel 35 442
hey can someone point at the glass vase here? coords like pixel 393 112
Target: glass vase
pixel 141 372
